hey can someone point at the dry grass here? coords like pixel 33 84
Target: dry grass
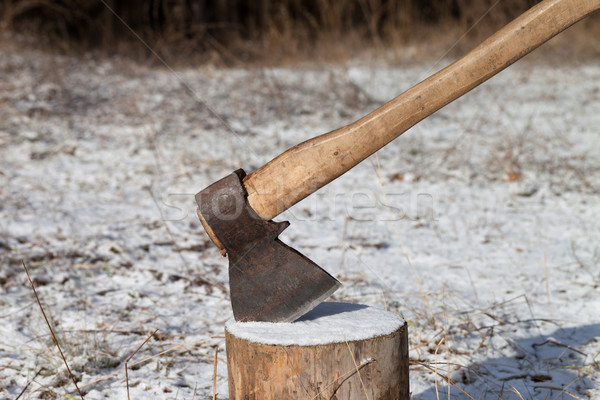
pixel 51 329
pixel 458 341
pixel 234 32
pixel 85 354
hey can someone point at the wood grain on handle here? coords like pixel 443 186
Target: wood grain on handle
pixel 304 168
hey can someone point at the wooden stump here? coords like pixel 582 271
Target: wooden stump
pixel 337 351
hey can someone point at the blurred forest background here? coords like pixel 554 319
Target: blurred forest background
pixel 243 30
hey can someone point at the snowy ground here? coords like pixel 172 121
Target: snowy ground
pixel 479 226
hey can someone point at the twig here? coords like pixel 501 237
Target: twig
pixel 557 343
pixel 566 387
pixel 28 383
pixel 133 354
pixel 344 378
pixel 559 389
pixel 51 330
pixel 385 305
pixel 501 392
pixel 127 380
pixel 515 391
pixel 531 313
pixel 194 394
pixel 215 374
pixel 138 349
pixel 446 378
pixel 547 286
pixel 169 350
pixel 437 393
pixel 358 371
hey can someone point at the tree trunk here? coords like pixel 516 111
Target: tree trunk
pixel 263 362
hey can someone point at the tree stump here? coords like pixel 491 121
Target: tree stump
pixel 336 351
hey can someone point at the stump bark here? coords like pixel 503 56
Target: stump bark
pixel 337 351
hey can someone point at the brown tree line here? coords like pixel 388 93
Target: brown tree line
pixel 94 22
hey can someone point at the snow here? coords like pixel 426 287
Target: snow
pixel 479 226
pixel 329 322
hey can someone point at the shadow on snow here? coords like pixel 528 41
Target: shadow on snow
pixel 543 367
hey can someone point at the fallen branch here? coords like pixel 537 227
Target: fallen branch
pixel 131 356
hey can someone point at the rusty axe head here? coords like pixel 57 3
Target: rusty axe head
pixel 268 280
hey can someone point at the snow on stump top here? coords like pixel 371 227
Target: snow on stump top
pixel 327 323
pixel 338 350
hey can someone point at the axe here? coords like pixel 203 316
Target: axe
pixel 270 281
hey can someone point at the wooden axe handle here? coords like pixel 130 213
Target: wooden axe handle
pixel 304 168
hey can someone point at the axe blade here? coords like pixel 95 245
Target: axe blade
pixel 269 281
pixel 275 283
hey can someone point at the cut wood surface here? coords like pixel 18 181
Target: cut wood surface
pixel 305 168
pixel 263 363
